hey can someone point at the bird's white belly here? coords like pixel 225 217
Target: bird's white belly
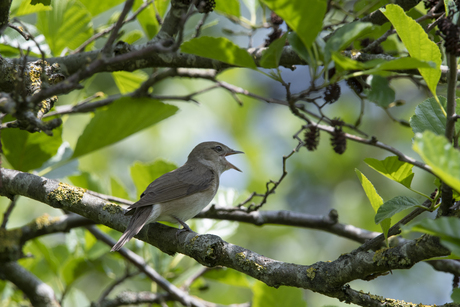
pixel 184 208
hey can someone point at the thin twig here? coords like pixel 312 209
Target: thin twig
pixel 113 35
pixel 109 29
pixel 139 262
pixel 116 282
pixel 8 211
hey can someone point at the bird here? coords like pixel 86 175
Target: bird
pixel 181 194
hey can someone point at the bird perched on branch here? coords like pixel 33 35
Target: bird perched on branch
pixel 179 195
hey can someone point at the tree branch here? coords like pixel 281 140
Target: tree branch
pixel 323 277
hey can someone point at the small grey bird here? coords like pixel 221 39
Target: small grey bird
pixel 179 195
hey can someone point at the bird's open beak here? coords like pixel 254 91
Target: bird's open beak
pixel 233 152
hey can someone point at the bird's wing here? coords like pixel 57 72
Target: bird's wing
pixel 182 182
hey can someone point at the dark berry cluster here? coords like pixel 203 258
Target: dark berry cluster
pixel 338 139
pixel 205 6
pixel 429 4
pixel 277 32
pixel 311 138
pixel 451 34
pixel 332 93
pixel 355 85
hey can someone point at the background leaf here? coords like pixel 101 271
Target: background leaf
pixel 128 81
pixel 26 151
pixel 381 93
pixel 417 43
pixel 144 173
pixel 230 7
pixel 393 206
pixel 67 25
pixel 344 36
pixel 446 228
pixel 265 296
pixel 132 116
pixel 441 156
pixel 304 17
pixel 429 116
pixel 394 169
pixel 271 56
pixel 221 49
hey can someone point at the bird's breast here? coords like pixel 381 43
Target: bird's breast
pixel 186 207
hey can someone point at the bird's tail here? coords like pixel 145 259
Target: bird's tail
pixel 138 220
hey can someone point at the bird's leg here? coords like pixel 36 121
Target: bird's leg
pixel 186 227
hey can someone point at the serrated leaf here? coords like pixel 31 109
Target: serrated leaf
pixel 446 228
pixel 381 93
pixel 68 25
pixel 98 7
pixel 265 296
pixel 26 151
pixel 25 7
pixel 230 7
pixel 441 156
pixel 299 47
pixel 429 116
pixel 304 17
pixel 144 173
pixel 394 169
pixel 271 57
pixel 375 200
pixel 393 206
pixel 131 116
pixel 129 81
pixel 344 36
pixel 219 48
pixel 417 43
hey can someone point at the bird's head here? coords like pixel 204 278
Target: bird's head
pixel 213 155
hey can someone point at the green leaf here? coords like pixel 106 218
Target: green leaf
pixel 132 36
pixel 417 43
pixel 131 115
pixel 304 17
pixel 219 48
pixel 228 276
pixel 346 35
pixel 147 18
pixel 393 206
pixel 375 200
pixel 429 116
pixel 26 151
pixel 446 228
pixel 144 173
pixel 97 7
pixel 44 2
pixel 394 169
pixel 271 57
pixel 456 295
pixel 345 63
pixel 87 181
pixel 11 52
pixel 68 25
pixel 381 93
pixel 404 63
pixel 252 6
pixel 24 7
pixel 441 156
pixel 265 296
pixel 128 81
pixel 299 47
pixel 230 7
pixel 117 189
pixel 162 6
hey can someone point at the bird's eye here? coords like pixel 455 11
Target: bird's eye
pixel 218 148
